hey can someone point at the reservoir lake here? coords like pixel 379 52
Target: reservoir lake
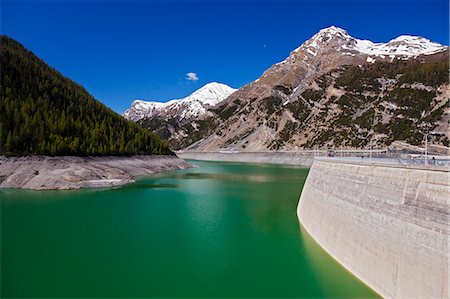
pixel 217 230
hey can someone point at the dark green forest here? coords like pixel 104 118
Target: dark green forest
pixel 42 112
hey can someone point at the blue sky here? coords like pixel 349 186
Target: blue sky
pixel 123 50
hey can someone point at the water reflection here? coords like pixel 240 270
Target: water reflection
pixel 219 230
pixel 144 184
pixel 326 268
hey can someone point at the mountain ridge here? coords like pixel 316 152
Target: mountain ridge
pixel 306 92
pixel 193 105
pixel 406 45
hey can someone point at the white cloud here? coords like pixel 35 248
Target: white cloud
pixel 192 76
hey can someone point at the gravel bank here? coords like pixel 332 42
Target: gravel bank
pixel 69 172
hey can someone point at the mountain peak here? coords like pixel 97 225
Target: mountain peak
pixel 213 86
pixel 330 33
pixel 333 30
pixel 193 105
pixel 325 37
pixel 339 40
pixel 407 38
pixel 211 93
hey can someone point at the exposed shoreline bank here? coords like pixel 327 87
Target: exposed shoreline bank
pixel 70 172
pixel 286 158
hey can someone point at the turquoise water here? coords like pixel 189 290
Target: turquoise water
pixel 217 230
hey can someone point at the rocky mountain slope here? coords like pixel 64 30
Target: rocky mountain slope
pixel 167 118
pixel 333 91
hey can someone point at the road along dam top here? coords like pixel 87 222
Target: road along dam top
pixel 388 224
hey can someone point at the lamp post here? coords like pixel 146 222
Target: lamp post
pixel 370 143
pixel 426 145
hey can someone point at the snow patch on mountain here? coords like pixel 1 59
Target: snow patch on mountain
pixel 404 45
pixel 194 105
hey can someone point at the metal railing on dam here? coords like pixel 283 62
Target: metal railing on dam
pixel 306 157
pixel 439 162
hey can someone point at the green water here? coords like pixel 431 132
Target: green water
pixel 219 230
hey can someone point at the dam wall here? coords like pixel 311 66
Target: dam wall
pixel 387 224
pixel 290 158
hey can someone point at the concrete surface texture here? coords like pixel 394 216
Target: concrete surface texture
pixel 389 225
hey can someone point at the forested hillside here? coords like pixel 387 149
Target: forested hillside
pixel 43 112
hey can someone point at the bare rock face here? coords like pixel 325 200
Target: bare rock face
pixel 329 49
pixel 299 102
pixel 332 91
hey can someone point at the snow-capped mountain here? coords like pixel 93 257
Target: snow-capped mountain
pixel 333 46
pixel 194 105
pixel 330 91
pixel 403 46
pixel 296 102
pixel 328 49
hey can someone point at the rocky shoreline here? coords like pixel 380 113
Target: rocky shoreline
pixel 70 172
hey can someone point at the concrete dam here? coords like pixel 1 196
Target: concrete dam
pixel 387 224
